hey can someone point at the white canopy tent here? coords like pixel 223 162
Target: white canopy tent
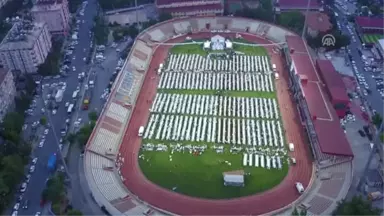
pixel 235 178
pixel 218 42
pixel 207 44
pixel 228 44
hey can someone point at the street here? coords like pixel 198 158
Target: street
pixel 49 141
pixel 374 99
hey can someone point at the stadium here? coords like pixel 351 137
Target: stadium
pixel 180 116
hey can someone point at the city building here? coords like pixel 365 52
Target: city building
pixel 179 8
pixel 25 46
pixel 3 2
pixel 7 91
pixel 54 13
pixel 297 5
pixel 334 86
pixel 370 24
pixel 317 23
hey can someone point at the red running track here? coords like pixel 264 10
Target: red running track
pixel 276 198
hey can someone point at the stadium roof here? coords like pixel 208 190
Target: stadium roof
pixel 324 116
pixel 166 2
pixel 370 22
pixel 296 43
pixel 193 8
pixel 333 81
pixel 298 4
pixel 381 42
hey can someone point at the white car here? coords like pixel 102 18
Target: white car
pixel 32 169
pixel 73 68
pixel 14 213
pixel 38 214
pixel 23 187
pixel 46 131
pixel 16 207
pixel 67 104
pixel 41 144
pixel 28 178
pixel 54 112
pixel 34 161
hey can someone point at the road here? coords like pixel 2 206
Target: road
pixel 41 174
pixel 374 99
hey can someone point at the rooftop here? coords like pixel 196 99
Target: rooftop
pixel 324 116
pixel 22 35
pixel 193 8
pixel 296 43
pixel 370 22
pixel 297 4
pixel 332 80
pixel 41 7
pixel 318 21
pixel 166 2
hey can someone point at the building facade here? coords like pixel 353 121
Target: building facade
pixel 25 47
pixel 7 91
pixel 297 5
pixel 54 13
pixel 180 8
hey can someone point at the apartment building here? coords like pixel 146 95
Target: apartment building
pixel 180 8
pixel 3 2
pixel 297 5
pixel 7 91
pixel 54 13
pixel 25 47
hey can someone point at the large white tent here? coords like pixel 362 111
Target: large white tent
pixel 235 178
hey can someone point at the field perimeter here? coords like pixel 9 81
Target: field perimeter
pixel 208 115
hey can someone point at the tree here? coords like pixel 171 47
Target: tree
pixel 54 190
pixel 357 206
pixel 43 120
pixel 164 17
pixel 293 20
pixel 295 212
pixel 74 212
pixel 377 119
pixel 12 169
pixel 100 30
pixel 93 116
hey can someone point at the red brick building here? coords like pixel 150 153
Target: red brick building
pixel 317 23
pixel 370 25
pixel 297 5
pixel 334 86
pixel 180 8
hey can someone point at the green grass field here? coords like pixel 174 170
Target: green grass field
pixel 202 175
pixel 372 38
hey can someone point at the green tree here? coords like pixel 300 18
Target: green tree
pixel 74 212
pixel 56 208
pixel 84 133
pixel 100 30
pixel 293 20
pixel 357 206
pixel 43 120
pixel 164 17
pixel 295 212
pixel 12 169
pixel 93 116
pixel 54 190
pixel 377 119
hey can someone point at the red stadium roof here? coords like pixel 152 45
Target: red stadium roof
pixel 297 4
pixel 370 22
pixel 325 120
pixel 296 43
pixel 333 81
pixel 166 2
pixel 193 8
